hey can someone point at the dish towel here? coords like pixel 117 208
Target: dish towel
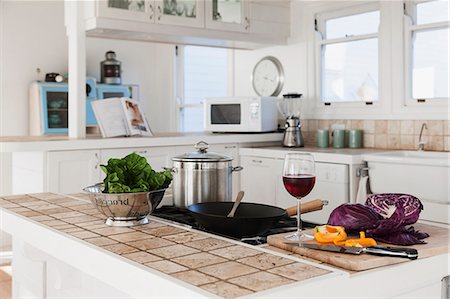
pixel 361 195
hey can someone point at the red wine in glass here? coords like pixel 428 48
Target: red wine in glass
pixel 299 185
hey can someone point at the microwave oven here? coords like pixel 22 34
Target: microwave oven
pixel 240 114
pixel 49 104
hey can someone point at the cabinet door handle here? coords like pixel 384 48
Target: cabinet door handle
pixel 141 152
pixel 230 146
pixel 97 162
pixel 247 23
pixel 159 12
pixel 152 11
pixel 257 161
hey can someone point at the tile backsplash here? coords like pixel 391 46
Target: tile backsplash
pixel 387 134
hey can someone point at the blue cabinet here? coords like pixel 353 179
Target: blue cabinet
pixel 49 104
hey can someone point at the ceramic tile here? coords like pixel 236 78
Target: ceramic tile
pixel 24 200
pixel 407 142
pixel 185 237
pixel 45 207
pixel 435 143
pixel 72 230
pixel 83 207
pixel 110 230
pixel 276 249
pixel 120 248
pixel 101 241
pixel 407 127
pixel 447 127
pixel 265 261
pixel 298 271
pixel 208 244
pixel 226 290
pixel 13 197
pixel 46 195
pixel 100 223
pixel 199 260
pixel 227 270
pixel 40 218
pixel 313 125
pixel 447 143
pixel 194 277
pixel 151 225
pixel 393 127
pixel 357 124
pixel 53 222
pixel 381 127
pixel 93 212
pixel 58 200
pixel 64 226
pixel 393 141
pixel 84 234
pixel 152 243
pixel 81 219
pixel 173 251
pixel 164 231
pixel 369 126
pixel 19 209
pixel 235 252
pixel 166 266
pixel 29 213
pixel 368 140
pixel 51 211
pixel 72 203
pixel 381 141
pixel 131 236
pixel 67 215
pixel 9 205
pixel 31 204
pixel 142 257
pixel 323 124
pixel 260 281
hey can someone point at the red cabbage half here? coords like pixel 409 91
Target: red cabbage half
pixel 383 218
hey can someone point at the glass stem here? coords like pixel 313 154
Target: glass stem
pixel 299 221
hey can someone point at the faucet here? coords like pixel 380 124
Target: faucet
pixel 421 145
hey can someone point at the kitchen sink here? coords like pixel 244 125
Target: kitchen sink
pixel 423 174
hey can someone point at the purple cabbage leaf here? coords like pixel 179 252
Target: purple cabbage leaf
pixel 384 217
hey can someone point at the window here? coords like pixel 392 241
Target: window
pixel 427 46
pixel 348 59
pixel 202 72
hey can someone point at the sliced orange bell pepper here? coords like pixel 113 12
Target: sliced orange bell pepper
pixel 329 233
pixel 361 242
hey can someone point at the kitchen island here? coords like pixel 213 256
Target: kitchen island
pixel 62 248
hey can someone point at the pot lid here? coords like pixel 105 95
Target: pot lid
pixel 202 155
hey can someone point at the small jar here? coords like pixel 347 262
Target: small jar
pixel 323 138
pixel 355 138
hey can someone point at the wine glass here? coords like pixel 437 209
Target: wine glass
pixel 299 178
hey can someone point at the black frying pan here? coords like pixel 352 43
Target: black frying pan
pixel 250 219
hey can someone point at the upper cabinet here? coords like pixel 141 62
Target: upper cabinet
pixel 225 23
pixel 230 15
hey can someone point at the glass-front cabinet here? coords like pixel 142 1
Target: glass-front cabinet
pixel 181 12
pixel 133 10
pixel 171 12
pixel 230 15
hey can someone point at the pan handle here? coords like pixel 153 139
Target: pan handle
pixel 310 206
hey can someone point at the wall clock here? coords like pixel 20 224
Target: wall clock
pixel 268 77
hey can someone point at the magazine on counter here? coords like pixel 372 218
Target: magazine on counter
pixel 120 117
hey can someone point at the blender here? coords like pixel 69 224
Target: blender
pixel 289 107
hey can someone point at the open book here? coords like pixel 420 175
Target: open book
pixel 120 117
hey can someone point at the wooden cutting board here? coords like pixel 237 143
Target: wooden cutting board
pixel 437 243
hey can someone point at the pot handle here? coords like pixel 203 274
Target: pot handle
pixel 171 169
pixel 201 146
pixel 237 168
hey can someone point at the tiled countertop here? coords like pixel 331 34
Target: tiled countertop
pixel 220 266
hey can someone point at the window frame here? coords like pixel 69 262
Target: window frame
pixel 409 27
pixel 320 29
pixel 180 88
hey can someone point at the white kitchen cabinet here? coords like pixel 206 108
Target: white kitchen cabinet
pixel 236 23
pixel 258 179
pixel 262 182
pixel 71 171
pixel 227 15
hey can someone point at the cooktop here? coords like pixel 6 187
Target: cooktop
pixel 183 216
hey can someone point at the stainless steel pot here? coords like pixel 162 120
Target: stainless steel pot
pixel 202 176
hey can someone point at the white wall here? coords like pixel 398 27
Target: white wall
pixel 32 35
